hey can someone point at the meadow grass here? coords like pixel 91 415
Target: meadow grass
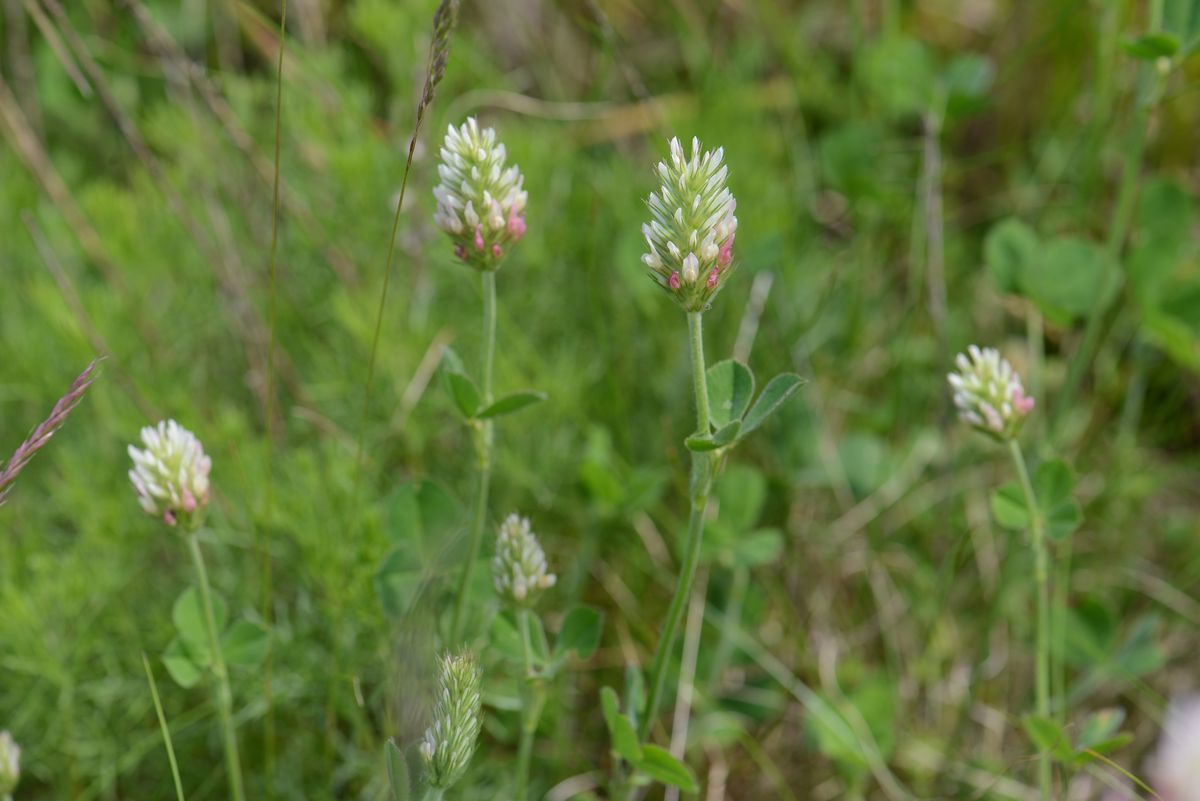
pixel 231 203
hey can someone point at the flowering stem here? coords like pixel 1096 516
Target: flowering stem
pixel 1041 576
pixel 700 484
pixel 224 694
pixel 531 708
pixel 434 794
pixel 483 449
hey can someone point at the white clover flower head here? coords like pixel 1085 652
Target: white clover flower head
pixel 519 569
pixel 171 474
pixel 1174 768
pixel 692 226
pixel 450 740
pixel 988 393
pixel 10 764
pixel 480 200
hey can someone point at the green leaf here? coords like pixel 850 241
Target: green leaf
pixel 966 81
pixel 718 440
pixel 1151 46
pixel 778 390
pixel 581 632
pixel 1010 245
pixel 511 403
pixel 1068 277
pixel 420 518
pixel 620 730
pixel 1048 736
pixel 730 388
pixel 182 668
pixel 463 391
pixel 1182 18
pixel 1160 242
pixel 397 770
pixel 188 615
pixel 759 548
pixel 505 637
pixel 742 491
pixel 1099 728
pixel 245 644
pixel 1052 483
pixel 658 764
pixel 1009 509
pixel 633 691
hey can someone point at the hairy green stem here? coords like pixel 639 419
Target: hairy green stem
pixel 701 482
pixel 484 435
pixel 1041 576
pixel 434 794
pixel 224 693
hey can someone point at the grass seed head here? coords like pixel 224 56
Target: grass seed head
pixel 450 740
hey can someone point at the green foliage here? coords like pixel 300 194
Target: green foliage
pixel 853 515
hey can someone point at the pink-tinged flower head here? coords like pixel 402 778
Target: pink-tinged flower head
pixel 690 233
pixel 480 199
pixel 170 475
pixel 1174 769
pixel 988 393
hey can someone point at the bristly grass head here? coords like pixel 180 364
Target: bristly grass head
pixel 444 21
pixel 42 434
pixel 171 474
pixel 480 200
pixel 988 393
pixel 691 231
pixel 450 740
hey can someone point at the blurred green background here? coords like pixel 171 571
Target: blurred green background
pixel 911 177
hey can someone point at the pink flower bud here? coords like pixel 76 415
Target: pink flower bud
pixel 726 254
pixel 169 517
pixel 1022 402
pixel 189 501
pixel 516 224
pixel 497 251
pixel 713 276
pixel 461 252
pixel 478 238
pixel 673 281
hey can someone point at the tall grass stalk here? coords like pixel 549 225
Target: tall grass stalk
pixel 484 438
pixel 267 567
pixel 699 487
pixel 233 764
pixel 166 731
pixel 1041 578
pixel 1149 89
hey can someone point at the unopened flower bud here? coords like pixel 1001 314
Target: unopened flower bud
pixel 988 393
pixel 10 765
pixel 481 203
pixel 450 740
pixel 171 474
pixel 519 570
pixel 692 227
